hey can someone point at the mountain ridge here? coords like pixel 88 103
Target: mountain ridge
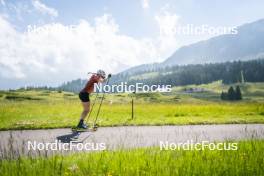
pixel 247 44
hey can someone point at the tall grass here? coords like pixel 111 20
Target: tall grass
pixel 247 160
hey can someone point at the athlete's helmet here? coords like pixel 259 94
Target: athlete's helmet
pixel 101 73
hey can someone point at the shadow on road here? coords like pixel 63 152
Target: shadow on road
pixel 69 137
pixel 73 137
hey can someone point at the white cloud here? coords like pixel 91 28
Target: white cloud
pixel 145 4
pixel 42 8
pixel 9 45
pixel 168 41
pixel 53 53
pixel 167 21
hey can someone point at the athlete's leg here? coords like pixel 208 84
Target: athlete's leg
pixel 86 109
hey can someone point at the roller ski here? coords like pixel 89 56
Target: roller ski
pixel 81 127
pixel 84 128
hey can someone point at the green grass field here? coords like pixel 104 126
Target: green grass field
pixel 51 109
pixel 247 160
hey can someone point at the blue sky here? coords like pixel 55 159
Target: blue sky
pixel 135 20
pixel 110 34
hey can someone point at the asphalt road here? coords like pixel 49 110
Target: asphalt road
pixel 24 141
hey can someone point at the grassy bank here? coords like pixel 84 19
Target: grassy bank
pixel 247 160
pixel 30 109
pixel 28 115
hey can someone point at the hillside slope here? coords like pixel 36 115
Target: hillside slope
pixel 248 43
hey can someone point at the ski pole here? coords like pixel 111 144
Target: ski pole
pixel 101 102
pixel 132 103
pixel 91 110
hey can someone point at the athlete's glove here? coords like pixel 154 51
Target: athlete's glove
pixel 109 76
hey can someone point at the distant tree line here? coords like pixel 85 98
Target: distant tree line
pixel 73 86
pixel 228 72
pixel 37 88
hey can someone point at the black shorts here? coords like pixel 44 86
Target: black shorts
pixel 84 96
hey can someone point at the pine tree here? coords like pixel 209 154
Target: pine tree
pixel 238 93
pixel 231 93
pixel 223 96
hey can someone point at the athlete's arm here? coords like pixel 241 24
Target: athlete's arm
pixel 102 80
